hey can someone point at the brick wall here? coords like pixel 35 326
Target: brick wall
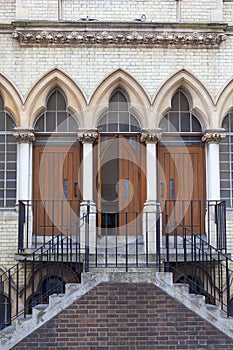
pixel 8 238
pixel 126 316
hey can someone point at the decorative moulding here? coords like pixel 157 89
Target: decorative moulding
pixel 121 35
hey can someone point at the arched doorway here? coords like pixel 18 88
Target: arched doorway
pixel 181 175
pixel 120 178
pixel 56 161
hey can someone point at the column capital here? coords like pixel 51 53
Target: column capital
pixel 88 136
pixel 24 135
pixel 151 135
pixel 213 135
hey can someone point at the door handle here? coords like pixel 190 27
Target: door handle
pixel 162 189
pixel 75 189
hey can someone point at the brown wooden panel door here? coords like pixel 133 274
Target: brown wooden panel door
pixel 131 184
pixel 56 190
pixel 121 184
pixel 181 186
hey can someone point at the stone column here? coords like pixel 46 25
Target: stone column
pixel 88 137
pixel 212 138
pixel 25 138
pixel 151 206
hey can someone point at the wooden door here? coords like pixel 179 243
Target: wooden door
pixel 181 186
pixel 121 184
pixel 56 189
pixel 131 185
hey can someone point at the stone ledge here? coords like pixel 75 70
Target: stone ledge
pixel 118 34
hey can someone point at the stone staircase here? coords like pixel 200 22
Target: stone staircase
pixel 41 314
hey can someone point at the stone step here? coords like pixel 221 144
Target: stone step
pixel 42 313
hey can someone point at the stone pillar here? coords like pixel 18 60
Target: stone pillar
pixel 88 137
pixel 212 138
pixel 151 206
pixel 25 138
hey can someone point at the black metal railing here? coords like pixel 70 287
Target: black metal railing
pixel 206 268
pixel 40 274
pixel 128 240
pixel 41 220
pixel 125 240
pixel 201 217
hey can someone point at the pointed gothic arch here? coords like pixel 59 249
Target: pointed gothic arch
pixel 13 102
pixel 119 79
pixel 202 103
pixel 225 102
pixel 36 99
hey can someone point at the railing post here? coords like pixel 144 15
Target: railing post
pixel 228 288
pixel 167 244
pixel 21 221
pixel 87 248
pixel 158 248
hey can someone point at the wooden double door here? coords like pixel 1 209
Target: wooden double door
pixel 121 184
pixel 56 189
pixel 181 187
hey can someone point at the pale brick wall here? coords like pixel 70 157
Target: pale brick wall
pixel 7 11
pixel 89 66
pixel 116 10
pixel 196 10
pixel 8 238
pixel 228 12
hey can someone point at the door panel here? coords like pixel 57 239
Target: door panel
pixel 121 184
pixel 181 186
pixel 56 189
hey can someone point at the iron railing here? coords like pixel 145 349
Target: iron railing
pixel 41 220
pixel 204 218
pixel 38 275
pixel 207 269
pixel 118 240
pixel 128 240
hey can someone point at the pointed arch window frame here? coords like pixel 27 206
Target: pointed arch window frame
pixel 169 126
pixel 103 124
pixel 43 117
pixel 8 159
pixel 226 161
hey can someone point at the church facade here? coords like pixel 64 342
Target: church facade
pixel 122 107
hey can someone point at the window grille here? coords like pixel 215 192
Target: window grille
pixel 8 159
pixel 56 117
pixel 226 161
pixel 118 118
pixel 180 118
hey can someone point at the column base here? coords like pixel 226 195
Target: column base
pixel 88 226
pixel 152 233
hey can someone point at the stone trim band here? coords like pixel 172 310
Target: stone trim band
pixel 119 38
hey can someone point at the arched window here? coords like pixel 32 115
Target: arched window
pixel 118 117
pixel 56 117
pixel 226 161
pixel 180 118
pixel 8 159
pixel 5 316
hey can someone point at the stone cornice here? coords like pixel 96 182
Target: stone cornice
pixel 117 34
pixel 88 136
pixel 151 136
pixel 24 135
pixel 213 135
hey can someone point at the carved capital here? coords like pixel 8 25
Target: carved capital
pixel 24 135
pixel 151 136
pixel 88 136
pixel 213 135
